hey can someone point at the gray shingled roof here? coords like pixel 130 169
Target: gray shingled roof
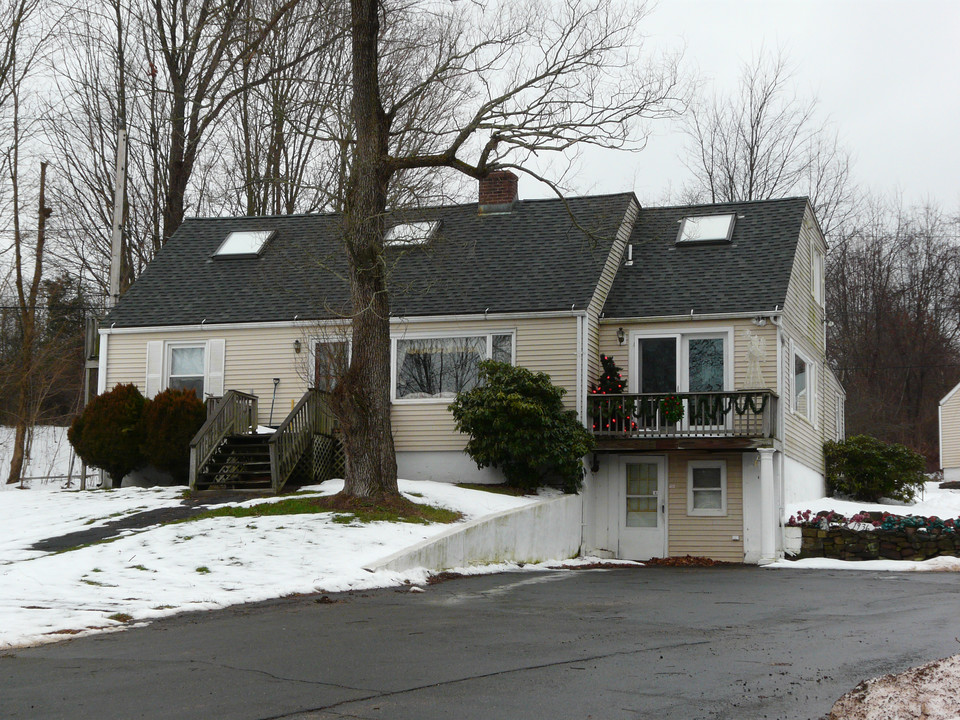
pixel 536 258
pixel 749 274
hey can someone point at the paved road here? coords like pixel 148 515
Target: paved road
pixel 732 642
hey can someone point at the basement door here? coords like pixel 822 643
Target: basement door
pixel 642 501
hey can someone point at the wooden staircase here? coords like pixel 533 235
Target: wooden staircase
pixel 227 452
pixel 240 462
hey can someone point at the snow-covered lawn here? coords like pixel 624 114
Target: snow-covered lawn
pixel 195 565
pixel 933 501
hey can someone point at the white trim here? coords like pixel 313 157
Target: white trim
pixel 308 322
pixel 102 364
pixel 453 333
pixel 718 512
pixel 581 383
pixel 950 394
pixel 940 431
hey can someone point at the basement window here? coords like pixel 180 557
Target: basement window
pixel 706 229
pixel 244 243
pixel 410 234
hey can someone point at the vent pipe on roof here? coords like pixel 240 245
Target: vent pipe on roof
pixel 498 192
pixel 629 261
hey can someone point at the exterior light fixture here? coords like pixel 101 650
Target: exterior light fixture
pixel 620 335
pixel 296 346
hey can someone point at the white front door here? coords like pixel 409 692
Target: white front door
pixel 642 507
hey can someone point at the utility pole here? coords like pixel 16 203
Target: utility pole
pixel 119 187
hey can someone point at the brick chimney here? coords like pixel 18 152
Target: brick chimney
pixel 498 192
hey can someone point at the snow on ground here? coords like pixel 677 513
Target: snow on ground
pixel 195 565
pixel 933 501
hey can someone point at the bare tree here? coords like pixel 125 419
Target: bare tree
pixel 514 80
pixel 893 296
pixel 764 142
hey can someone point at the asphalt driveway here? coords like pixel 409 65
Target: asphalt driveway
pixel 729 642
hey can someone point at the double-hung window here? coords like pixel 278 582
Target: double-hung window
pixel 804 387
pixel 186 368
pixel 430 368
pixel 330 360
pixel 707 487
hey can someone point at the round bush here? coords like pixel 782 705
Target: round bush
pixel 868 469
pixel 170 421
pixel 107 433
pixel 517 422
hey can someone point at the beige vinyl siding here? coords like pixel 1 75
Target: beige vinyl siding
pixel 543 344
pixel 252 358
pixel 804 329
pixel 803 317
pixel 768 365
pixel 950 432
pixel 708 536
pixel 803 439
pixel 614 260
pixel 832 394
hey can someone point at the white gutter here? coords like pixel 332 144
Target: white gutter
pixel 204 326
pixel 690 317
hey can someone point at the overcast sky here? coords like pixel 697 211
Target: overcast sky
pixel 886 73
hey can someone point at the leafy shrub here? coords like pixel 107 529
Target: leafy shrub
pixel 107 433
pixel 170 421
pixel 867 469
pixel 517 422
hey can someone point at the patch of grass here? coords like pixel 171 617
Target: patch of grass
pixel 91 521
pixel 96 570
pixel 203 570
pixel 350 509
pixel 414 494
pixel 95 583
pixel 165 607
pixel 120 617
pixel 138 567
pixel 500 489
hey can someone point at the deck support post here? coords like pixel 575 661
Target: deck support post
pixel 768 508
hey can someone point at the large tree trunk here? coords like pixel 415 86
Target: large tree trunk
pixel 361 400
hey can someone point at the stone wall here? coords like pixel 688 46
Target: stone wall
pixel 906 544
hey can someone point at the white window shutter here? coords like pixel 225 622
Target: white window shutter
pixel 154 368
pixel 215 357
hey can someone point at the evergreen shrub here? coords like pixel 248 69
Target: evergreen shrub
pixel 170 421
pixel 517 422
pixel 868 469
pixel 107 434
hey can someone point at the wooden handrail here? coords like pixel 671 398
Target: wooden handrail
pixel 295 434
pixel 235 414
pixel 733 413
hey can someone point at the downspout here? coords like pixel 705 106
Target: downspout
pixel 102 362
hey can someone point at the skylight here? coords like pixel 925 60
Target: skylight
pixel 407 234
pixel 243 242
pixel 706 228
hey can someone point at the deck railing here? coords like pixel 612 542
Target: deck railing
pixel 234 414
pixel 740 414
pixel 294 437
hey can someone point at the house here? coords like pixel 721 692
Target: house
pixel 718 306
pixel 948 422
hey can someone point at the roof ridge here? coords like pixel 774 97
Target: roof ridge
pixel 805 198
pixel 425 208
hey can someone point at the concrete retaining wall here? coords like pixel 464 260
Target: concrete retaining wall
pixel 547 530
